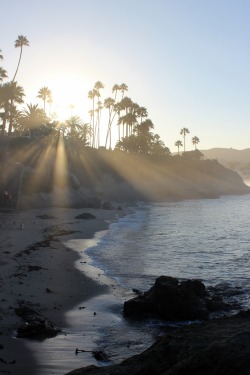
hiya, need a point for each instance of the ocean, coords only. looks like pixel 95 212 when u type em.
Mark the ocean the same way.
pixel 208 239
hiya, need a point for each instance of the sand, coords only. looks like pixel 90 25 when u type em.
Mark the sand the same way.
pixel 37 256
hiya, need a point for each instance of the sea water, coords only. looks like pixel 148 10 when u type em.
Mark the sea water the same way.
pixel 207 239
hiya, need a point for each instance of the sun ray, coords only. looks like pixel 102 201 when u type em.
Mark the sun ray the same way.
pixel 60 176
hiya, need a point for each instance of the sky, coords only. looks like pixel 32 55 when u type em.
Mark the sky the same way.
pixel 186 61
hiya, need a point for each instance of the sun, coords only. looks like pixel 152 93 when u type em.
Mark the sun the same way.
pixel 69 96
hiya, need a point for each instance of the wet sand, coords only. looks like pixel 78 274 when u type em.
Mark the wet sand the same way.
pixel 40 265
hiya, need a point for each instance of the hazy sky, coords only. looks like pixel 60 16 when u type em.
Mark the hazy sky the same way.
pixel 186 61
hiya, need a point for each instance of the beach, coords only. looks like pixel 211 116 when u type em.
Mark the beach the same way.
pixel 38 269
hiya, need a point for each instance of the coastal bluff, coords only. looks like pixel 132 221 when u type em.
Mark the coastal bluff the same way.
pixel 119 177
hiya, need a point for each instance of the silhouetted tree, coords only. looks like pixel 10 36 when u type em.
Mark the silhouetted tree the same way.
pixel 19 43
pixel 10 94
pixel 184 132
pixel 3 74
pixel 178 144
pixel 32 120
pixel 45 95
pixel 195 141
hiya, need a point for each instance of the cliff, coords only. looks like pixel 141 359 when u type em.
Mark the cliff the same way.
pixel 73 178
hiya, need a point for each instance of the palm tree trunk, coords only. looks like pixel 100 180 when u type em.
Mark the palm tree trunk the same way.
pixel 93 123
pixel 11 118
pixel 18 64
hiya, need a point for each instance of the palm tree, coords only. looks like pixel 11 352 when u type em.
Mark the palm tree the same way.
pixel 184 132
pixel 143 141
pixel 158 146
pixel 123 88
pixel 141 112
pixel 178 144
pixel 130 121
pixel 98 121
pixel 45 95
pixel 3 74
pixel 91 114
pixel 92 94
pixel 16 118
pixel 115 89
pixel 98 85
pixel 146 126
pixel 74 128
pixel 109 103
pixel 32 118
pixel 19 43
pixel 10 93
pixel 126 104
pixel 84 134
pixel 195 141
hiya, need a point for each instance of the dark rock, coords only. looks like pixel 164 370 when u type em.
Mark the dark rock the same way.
pixel 107 205
pixel 215 347
pixel 85 216
pixel 94 202
pixel 37 329
pixel 137 291
pixel 99 355
pixel 46 217
pixel 34 268
pixel 37 326
pixel 173 300
pixel 216 303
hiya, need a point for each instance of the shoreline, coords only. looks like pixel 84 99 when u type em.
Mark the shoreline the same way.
pixel 31 265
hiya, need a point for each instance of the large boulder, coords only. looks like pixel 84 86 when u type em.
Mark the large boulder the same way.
pixel 174 300
pixel 85 216
pixel 36 326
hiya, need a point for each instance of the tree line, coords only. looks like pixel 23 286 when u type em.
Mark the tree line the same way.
pixel 134 128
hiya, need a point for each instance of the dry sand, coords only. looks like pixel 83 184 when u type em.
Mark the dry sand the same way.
pixel 34 259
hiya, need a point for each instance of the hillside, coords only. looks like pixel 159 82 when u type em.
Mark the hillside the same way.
pixel 37 176
pixel 237 160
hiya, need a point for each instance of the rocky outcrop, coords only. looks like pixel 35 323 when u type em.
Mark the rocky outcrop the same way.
pixel 36 326
pixel 107 205
pixel 174 300
pixel 85 216
pixel 216 347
